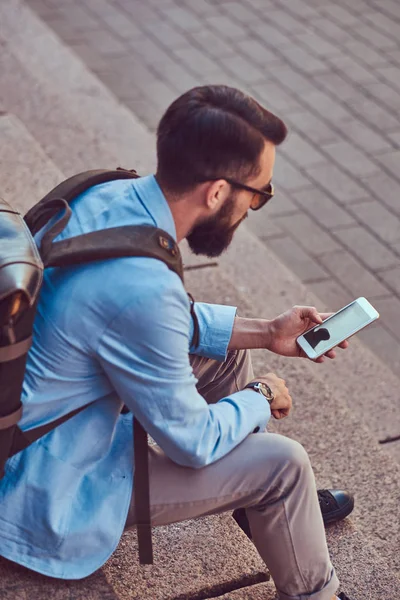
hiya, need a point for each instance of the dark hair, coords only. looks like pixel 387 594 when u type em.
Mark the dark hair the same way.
pixel 213 131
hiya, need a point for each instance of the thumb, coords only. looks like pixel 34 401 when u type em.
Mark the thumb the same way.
pixel 310 312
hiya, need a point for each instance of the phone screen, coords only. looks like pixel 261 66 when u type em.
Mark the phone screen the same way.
pixel 337 328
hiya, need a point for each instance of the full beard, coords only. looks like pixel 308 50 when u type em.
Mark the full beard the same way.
pixel 214 236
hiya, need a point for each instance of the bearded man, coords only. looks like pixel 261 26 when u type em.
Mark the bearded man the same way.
pixel 120 332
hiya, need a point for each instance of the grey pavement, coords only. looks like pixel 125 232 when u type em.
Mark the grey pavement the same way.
pixel 57 119
pixel 330 69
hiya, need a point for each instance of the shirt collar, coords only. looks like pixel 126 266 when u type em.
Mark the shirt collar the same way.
pixel 155 203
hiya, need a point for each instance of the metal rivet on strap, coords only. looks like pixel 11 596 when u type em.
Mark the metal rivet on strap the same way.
pixel 168 245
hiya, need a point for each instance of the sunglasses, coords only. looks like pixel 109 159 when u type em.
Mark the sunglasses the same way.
pixel 260 197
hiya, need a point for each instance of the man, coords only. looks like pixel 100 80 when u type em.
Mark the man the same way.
pixel 119 332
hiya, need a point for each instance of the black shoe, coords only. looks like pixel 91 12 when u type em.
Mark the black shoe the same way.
pixel 335 505
pixel 342 596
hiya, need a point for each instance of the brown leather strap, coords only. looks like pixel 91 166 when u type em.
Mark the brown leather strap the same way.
pixel 142 494
pixel 8 353
pixel 12 419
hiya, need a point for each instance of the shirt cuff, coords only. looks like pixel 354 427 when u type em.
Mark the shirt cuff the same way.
pixel 215 326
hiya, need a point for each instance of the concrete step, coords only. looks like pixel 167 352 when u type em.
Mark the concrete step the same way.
pixel 77 120
pixel 26 172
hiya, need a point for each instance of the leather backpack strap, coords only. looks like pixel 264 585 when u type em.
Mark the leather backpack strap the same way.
pixel 142 493
pixel 67 190
pixel 116 242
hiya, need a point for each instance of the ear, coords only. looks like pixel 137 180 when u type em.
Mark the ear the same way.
pixel 216 194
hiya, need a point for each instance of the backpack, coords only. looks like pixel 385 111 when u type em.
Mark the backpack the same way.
pixel 22 264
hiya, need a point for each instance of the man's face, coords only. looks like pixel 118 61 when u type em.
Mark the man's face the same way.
pixel 214 235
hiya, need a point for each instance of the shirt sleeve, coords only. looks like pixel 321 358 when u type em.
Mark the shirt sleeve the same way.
pixel 215 329
pixel 144 353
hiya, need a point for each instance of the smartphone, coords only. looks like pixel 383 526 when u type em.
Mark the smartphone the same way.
pixel 337 328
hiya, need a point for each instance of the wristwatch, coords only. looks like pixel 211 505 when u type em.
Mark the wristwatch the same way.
pixel 263 389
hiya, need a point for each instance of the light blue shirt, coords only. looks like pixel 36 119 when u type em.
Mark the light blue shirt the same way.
pixel 114 332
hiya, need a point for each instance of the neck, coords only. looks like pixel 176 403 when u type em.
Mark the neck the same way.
pixel 183 212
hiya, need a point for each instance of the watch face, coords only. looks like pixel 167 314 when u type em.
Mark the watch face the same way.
pixel 266 391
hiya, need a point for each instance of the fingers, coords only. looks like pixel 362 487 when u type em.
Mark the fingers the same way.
pixel 310 312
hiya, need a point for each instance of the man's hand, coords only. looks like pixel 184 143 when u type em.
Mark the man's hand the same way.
pixel 285 329
pixel 282 402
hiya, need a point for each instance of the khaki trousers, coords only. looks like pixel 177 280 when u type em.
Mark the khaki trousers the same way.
pixel 267 474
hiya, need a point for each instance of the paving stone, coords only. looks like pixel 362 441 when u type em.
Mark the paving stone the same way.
pixel 338 86
pixel 196 60
pixel 341 15
pixel 392 278
pixel 268 33
pixel 364 136
pixel 285 21
pixel 323 104
pixel 384 23
pixel 351 159
pixel 379 219
pixel 178 76
pixel 227 27
pixel 272 95
pixel 308 234
pixel 289 177
pixel 105 43
pixel 296 258
pixel 213 44
pixel 331 293
pixel 123 86
pixel 105 10
pixel 303 60
pixel 264 225
pixel 281 204
pixel 119 22
pixel 150 51
pixel 166 33
pixel 318 45
pixel 395 137
pixel 299 8
pixel 389 310
pixel 391 162
pixel 352 69
pixel 367 248
pixel 140 11
pixel 366 53
pixel 182 17
pixel 201 7
pixel 391 74
pixel 300 151
pixel 240 12
pixel 312 126
pixel 256 51
pixel 385 188
pixel 375 38
pixel 384 93
pixel 323 209
pixel 294 80
pixel 244 69
pixel 329 29
pixel 358 280
pixel 336 182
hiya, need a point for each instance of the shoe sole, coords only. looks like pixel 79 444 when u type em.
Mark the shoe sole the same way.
pixel 339 514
